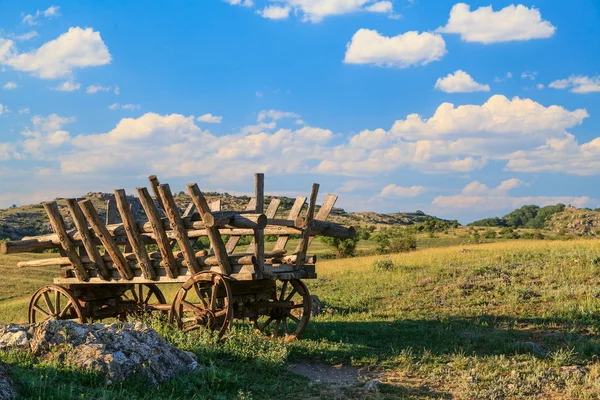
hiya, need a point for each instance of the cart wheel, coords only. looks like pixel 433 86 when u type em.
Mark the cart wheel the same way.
pixel 290 314
pixel 204 301
pixel 146 296
pixel 54 302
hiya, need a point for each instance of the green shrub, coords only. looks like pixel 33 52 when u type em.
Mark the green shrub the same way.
pixel 343 248
pixel 403 244
pixel 383 265
pixel 490 234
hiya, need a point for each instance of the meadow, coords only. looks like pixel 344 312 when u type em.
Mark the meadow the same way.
pixel 510 319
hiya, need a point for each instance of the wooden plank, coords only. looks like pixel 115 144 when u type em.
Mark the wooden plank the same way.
pixel 323 213
pixel 271 212
pixel 86 238
pixel 58 226
pixel 160 235
pixel 234 239
pixel 133 234
pixel 104 235
pixel 259 234
pixel 213 232
pixel 178 227
pixel 294 213
pixel 154 184
pixel 304 237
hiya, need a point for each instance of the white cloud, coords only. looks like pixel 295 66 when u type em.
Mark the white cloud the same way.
pixel 316 10
pixel 26 36
pixel 77 48
pixel 402 51
pixel 275 115
pixel 10 85
pixel 243 3
pixel 209 118
pixel 395 191
pixel 24 110
pixel 506 77
pixel 484 25
pixel 92 89
pixel 68 86
pixel 32 19
pixel 478 197
pixel 539 86
pixel 259 94
pixel 385 7
pixel 529 75
pixel 117 90
pixel 129 107
pixel 578 84
pixel 3 109
pixel 47 135
pixel 460 82
pixel 275 12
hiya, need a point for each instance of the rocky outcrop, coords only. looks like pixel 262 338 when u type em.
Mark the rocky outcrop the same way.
pixel 7 390
pixel 116 351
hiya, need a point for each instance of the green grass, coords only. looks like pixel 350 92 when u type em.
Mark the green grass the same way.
pixel 510 319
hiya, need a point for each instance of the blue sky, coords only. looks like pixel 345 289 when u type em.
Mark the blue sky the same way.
pixel 462 110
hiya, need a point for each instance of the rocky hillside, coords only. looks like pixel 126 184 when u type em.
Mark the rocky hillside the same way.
pixel 31 220
pixel 575 221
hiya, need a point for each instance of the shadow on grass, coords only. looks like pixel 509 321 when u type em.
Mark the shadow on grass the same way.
pixel 380 341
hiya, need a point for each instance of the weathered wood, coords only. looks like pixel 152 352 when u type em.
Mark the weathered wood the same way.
pixel 294 213
pixel 111 212
pixel 178 227
pixel 324 212
pixel 259 233
pixel 291 259
pixel 325 228
pixel 234 239
pixel 271 212
pixel 58 226
pixel 213 233
pixel 160 235
pixel 154 184
pixel 104 235
pixel 133 234
pixel 23 246
pixel 86 238
pixel 304 237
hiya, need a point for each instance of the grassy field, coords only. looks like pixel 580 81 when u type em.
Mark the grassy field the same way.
pixel 513 319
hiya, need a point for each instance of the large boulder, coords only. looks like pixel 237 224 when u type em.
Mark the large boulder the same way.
pixel 7 390
pixel 116 351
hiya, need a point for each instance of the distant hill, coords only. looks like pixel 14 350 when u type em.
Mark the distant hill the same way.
pixel 529 216
pixel 575 221
pixel 31 220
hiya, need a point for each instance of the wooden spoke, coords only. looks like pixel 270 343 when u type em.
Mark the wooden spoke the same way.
pixel 281 314
pixel 212 310
pixel 50 296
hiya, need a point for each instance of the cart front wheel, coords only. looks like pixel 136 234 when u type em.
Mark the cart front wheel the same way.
pixel 54 302
pixel 288 312
pixel 147 296
pixel 204 301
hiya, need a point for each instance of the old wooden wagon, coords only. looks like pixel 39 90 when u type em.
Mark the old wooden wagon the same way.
pixel 112 270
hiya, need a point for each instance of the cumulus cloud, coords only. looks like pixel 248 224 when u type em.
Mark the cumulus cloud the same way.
pixel 77 48
pixel 46 135
pixel 316 10
pixel 68 86
pixel 243 3
pixel 460 82
pixel 395 191
pixel 26 36
pixel 275 115
pixel 93 89
pixel 129 107
pixel 275 12
pixel 578 84
pixel 478 197
pixel 10 85
pixel 484 25
pixel 209 118
pixel 402 51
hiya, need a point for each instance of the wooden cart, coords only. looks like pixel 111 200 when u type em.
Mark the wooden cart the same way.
pixel 112 270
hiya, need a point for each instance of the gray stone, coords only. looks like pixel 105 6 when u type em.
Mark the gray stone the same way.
pixel 7 390
pixel 372 385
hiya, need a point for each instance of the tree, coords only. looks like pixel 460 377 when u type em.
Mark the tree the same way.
pixel 344 248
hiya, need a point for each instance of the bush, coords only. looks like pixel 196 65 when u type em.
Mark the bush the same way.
pixel 490 234
pixel 383 265
pixel 344 248
pixel 403 244
pixel 395 240
pixel 509 233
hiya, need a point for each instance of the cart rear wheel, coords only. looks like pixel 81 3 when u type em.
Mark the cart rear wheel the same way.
pixel 289 311
pixel 204 301
pixel 54 302
pixel 146 296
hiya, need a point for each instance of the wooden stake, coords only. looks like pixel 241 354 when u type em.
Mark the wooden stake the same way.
pixel 271 212
pixel 259 234
pixel 162 240
pixel 133 234
pixel 104 235
pixel 304 237
pixel 294 213
pixel 179 231
pixel 87 240
pixel 213 232
pixel 58 225
pixel 154 184
pixel 322 215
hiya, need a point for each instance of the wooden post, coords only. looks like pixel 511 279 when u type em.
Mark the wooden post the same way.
pixel 181 236
pixel 323 213
pixel 58 225
pixel 259 234
pixel 104 235
pixel 271 212
pixel 294 213
pixel 234 239
pixel 160 234
pixel 304 237
pixel 154 184
pixel 133 234
pixel 111 212
pixel 213 232
pixel 87 240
